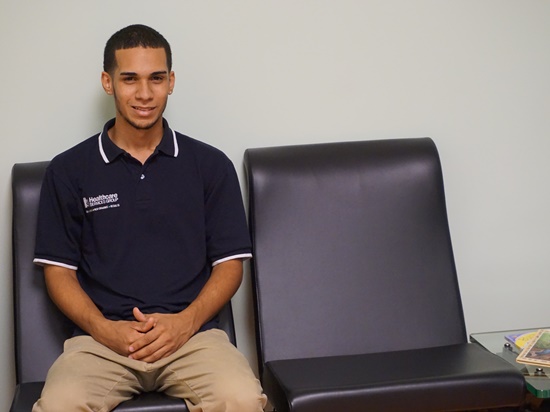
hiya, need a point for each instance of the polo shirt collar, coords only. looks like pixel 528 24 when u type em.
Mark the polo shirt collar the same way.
pixel 110 151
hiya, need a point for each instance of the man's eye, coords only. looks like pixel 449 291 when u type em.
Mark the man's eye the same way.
pixel 128 79
pixel 157 79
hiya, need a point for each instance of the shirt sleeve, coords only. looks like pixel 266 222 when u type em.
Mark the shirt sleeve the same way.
pixel 227 233
pixel 59 224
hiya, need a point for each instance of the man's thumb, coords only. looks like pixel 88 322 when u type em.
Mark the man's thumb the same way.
pixel 140 317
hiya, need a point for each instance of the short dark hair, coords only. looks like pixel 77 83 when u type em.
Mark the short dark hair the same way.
pixel 136 35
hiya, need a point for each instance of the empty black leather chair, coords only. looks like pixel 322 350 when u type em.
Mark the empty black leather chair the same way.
pixel 356 294
pixel 40 328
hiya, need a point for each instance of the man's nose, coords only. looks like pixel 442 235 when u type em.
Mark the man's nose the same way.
pixel 144 91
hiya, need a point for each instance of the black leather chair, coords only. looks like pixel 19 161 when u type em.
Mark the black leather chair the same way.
pixel 357 301
pixel 40 328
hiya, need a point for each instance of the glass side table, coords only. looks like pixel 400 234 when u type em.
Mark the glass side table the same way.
pixel 536 378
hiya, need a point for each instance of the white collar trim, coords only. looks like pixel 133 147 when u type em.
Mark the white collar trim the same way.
pixel 106 159
pixel 176 147
pixel 103 155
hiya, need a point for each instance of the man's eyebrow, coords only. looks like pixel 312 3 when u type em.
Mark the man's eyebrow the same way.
pixel 165 72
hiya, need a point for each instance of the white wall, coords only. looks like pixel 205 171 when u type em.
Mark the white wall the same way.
pixel 472 74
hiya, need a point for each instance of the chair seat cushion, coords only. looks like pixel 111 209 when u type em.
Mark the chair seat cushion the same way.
pixel 27 394
pixel 448 378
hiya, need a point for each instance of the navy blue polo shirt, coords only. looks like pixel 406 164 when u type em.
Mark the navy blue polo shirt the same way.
pixel 144 235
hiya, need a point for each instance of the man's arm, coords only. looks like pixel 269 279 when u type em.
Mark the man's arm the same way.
pixel 171 331
pixel 66 292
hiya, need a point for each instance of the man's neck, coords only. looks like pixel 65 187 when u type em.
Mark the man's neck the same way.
pixel 140 143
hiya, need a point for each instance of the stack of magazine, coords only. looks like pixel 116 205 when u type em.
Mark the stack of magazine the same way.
pixel 535 347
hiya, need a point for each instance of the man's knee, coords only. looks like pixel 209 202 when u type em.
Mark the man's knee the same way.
pixel 66 397
pixel 242 397
pixel 246 402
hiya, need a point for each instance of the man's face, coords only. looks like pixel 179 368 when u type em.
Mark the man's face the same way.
pixel 140 84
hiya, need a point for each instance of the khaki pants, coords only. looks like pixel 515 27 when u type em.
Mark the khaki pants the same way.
pixel 208 372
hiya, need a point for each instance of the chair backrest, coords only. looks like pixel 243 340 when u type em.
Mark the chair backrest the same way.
pixel 40 328
pixel 352 250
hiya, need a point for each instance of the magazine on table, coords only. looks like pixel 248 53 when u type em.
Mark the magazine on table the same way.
pixel 537 350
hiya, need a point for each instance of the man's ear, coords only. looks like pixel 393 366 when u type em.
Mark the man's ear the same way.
pixel 172 81
pixel 107 82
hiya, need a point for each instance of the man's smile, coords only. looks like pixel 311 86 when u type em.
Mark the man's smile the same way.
pixel 143 110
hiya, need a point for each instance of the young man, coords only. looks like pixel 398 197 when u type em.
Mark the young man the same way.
pixel 142 235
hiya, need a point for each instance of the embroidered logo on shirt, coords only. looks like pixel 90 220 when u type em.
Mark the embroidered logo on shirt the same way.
pixel 101 202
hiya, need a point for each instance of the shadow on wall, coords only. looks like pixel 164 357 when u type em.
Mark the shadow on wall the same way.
pixel 105 109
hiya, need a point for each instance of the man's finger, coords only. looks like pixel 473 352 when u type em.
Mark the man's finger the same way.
pixel 144 340
pixel 140 317
pixel 151 353
pixel 141 348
